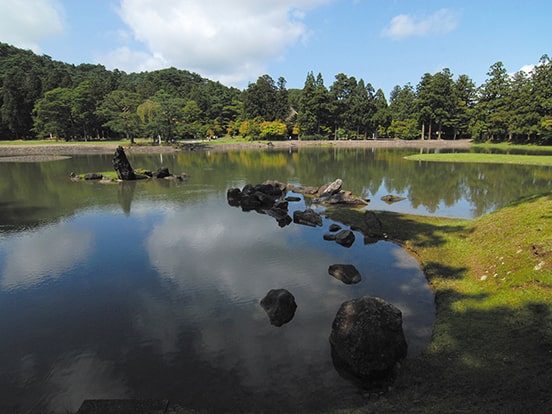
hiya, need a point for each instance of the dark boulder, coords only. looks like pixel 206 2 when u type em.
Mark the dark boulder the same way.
pixel 93 176
pixel 162 172
pixel 234 196
pixel 279 305
pixel 329 236
pixel 308 217
pixel 280 215
pixel 334 227
pixel 345 238
pixel 122 165
pixel 367 337
pixel 347 273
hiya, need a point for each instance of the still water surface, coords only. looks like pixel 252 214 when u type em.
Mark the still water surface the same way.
pixel 152 289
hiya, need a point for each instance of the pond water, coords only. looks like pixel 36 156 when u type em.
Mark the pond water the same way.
pixel 151 290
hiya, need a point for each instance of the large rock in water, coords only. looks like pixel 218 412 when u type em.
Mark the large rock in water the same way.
pixel 279 304
pixel 367 338
pixel 122 165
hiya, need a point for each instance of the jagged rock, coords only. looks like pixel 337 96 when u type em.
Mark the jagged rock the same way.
pixel 334 227
pixel 345 238
pixel 280 306
pixel 280 215
pixel 367 337
pixel 122 165
pixel 330 189
pixel 390 199
pixel 308 217
pixel 347 273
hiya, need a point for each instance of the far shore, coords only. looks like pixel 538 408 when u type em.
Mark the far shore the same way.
pixel 49 148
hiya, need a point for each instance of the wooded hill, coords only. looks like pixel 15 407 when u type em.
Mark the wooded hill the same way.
pixel 41 98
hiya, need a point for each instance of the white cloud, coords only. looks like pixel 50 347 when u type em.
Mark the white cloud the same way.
pixel 33 257
pixel 441 22
pixel 26 23
pixel 527 69
pixel 223 40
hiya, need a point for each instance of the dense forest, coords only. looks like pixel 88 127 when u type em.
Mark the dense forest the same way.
pixel 43 98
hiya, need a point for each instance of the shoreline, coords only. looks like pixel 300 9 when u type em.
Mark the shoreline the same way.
pixel 7 150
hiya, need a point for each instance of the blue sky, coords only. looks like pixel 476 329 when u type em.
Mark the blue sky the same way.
pixel 384 42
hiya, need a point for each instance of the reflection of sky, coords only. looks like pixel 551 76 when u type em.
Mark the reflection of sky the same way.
pixel 166 305
pixel 81 376
pixel 45 253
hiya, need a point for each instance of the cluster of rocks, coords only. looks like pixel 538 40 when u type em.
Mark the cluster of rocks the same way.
pixel 367 339
pixel 266 198
pixel 330 194
pixel 125 172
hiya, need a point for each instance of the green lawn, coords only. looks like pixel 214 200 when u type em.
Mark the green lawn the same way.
pixel 491 350
pixel 485 158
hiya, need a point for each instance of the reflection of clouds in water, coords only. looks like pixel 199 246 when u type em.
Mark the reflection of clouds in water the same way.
pixel 224 263
pixel 158 323
pixel 202 246
pixel 217 264
pixel 78 377
pixel 47 252
pixel 416 301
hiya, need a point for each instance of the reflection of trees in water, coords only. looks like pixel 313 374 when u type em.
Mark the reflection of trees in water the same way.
pixel 33 193
pixel 366 171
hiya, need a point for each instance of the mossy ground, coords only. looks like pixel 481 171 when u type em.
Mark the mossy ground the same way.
pixel 491 350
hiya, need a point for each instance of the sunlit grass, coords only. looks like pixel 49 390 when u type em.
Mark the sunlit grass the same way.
pixel 492 279
pixel 506 146
pixel 484 158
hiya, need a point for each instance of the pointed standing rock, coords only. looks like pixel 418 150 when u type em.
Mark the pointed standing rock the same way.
pixel 122 165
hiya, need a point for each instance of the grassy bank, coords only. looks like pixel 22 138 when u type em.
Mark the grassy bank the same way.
pixel 485 158
pixel 491 350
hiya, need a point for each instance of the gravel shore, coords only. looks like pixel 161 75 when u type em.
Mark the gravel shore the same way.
pixel 43 152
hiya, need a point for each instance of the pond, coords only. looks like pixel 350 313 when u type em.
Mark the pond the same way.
pixel 151 290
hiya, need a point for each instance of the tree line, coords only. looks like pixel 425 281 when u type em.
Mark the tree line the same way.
pixel 41 98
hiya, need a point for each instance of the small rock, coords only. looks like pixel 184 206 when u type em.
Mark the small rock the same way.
pixel 334 227
pixel 280 306
pixel 347 273
pixel 345 238
pixel 390 199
